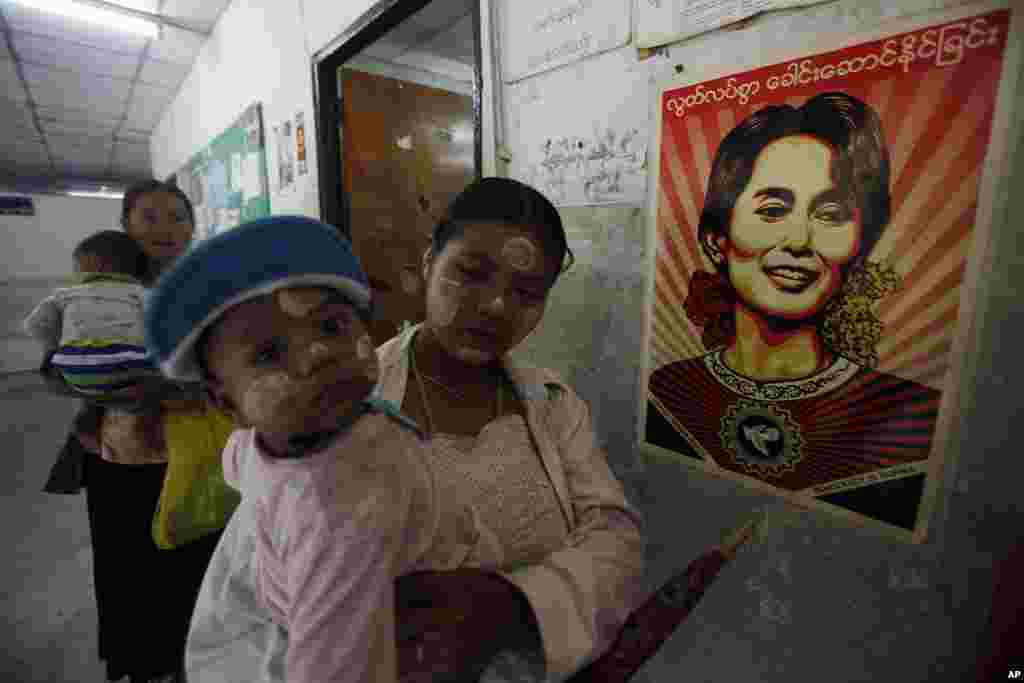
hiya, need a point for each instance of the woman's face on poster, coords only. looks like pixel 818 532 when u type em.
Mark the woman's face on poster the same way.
pixel 791 231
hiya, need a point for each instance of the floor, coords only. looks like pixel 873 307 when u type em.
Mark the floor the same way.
pixel 47 600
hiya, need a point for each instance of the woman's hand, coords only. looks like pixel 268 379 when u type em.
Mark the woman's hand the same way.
pixel 452 624
pixel 134 439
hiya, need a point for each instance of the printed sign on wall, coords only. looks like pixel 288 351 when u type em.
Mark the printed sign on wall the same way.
pixel 300 144
pixel 285 156
pixel 17 205
pixel 538 35
pixel 584 149
pixel 813 221
pixel 660 22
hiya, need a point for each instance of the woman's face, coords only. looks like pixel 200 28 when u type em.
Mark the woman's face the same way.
pixel 487 289
pixel 791 232
pixel 159 223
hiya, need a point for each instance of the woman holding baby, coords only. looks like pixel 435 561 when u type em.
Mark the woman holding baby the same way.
pixel 519 442
pixel 144 595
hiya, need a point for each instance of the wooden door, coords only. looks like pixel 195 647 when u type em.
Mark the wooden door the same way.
pixel 407 150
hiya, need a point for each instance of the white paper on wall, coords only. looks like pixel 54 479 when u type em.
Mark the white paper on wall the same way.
pixel 540 35
pixel 251 182
pixel 285 156
pixel 202 221
pixel 300 144
pixel 235 182
pixel 659 22
pixel 580 144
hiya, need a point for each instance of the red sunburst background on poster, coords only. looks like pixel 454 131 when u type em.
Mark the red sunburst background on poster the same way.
pixel 937 122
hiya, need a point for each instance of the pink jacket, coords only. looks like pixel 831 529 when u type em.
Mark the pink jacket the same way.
pixel 583 593
pixel 301 586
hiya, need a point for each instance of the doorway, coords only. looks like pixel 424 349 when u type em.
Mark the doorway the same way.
pixel 399 111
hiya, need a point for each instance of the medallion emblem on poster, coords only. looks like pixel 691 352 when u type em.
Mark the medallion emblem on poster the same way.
pixel 763 439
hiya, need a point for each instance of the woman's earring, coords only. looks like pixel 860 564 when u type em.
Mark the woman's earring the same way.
pixel 712 250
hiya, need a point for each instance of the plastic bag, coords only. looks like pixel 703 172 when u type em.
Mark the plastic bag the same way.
pixel 195 501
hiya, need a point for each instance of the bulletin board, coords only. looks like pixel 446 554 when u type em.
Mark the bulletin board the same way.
pixel 820 226
pixel 227 180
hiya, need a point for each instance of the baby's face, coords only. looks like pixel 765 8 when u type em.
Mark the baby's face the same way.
pixel 292 362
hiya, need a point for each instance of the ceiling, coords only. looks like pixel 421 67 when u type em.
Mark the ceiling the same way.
pixel 79 101
pixel 444 28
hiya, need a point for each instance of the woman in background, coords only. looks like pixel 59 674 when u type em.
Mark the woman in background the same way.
pixel 144 595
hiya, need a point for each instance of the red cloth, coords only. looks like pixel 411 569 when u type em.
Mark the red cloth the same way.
pixel 1005 648
pixel 654 622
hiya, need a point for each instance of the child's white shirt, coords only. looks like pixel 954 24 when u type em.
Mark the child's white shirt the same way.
pixel 102 310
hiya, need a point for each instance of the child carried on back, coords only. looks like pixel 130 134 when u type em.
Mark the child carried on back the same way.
pixel 337 496
pixel 92 332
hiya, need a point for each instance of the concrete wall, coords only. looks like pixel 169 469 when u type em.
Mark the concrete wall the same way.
pixel 41 245
pixel 35 257
pixel 259 51
pixel 816 600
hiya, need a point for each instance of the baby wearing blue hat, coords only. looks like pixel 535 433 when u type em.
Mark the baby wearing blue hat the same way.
pixel 337 496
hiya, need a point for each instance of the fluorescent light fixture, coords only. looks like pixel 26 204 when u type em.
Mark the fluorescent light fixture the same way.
pixel 102 193
pixel 95 14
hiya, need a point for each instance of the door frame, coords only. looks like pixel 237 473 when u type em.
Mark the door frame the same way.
pixel 370 27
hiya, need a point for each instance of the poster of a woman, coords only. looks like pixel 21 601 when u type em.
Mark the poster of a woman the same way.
pixel 813 223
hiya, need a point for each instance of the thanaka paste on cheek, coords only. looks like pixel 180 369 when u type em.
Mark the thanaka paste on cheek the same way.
pixel 520 253
pixel 318 349
pixel 448 306
pixel 498 305
pixel 451 286
pixel 447 310
pixel 266 399
pixel 300 302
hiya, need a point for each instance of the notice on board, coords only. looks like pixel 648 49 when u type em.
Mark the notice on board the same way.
pixel 540 35
pixel 659 22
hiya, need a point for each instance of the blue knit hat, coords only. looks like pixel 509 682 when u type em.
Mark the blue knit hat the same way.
pixel 252 260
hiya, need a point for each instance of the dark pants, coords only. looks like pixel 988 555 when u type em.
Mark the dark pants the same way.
pixel 144 595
